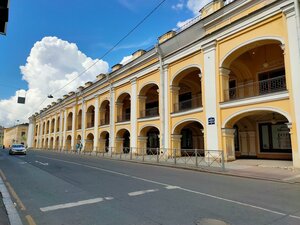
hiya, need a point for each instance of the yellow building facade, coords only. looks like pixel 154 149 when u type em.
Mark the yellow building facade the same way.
pixel 226 81
pixel 17 134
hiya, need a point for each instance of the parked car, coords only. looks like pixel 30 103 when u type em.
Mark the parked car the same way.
pixel 17 149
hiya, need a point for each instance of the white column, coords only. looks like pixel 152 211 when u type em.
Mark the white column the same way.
pixel 65 129
pixel 30 132
pixel 112 118
pixel 294 54
pixel 73 127
pixel 55 127
pixel 60 129
pixel 40 133
pixel 212 141
pixel 166 109
pixel 96 119
pixel 133 114
pixel 83 123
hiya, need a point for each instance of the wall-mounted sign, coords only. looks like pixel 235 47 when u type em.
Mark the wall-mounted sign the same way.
pixel 211 121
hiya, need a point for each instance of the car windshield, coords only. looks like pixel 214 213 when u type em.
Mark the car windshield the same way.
pixel 18 146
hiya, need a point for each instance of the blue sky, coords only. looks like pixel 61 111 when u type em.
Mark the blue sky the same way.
pixel 93 25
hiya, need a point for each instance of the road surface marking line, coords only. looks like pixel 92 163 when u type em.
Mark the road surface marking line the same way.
pixel 14 194
pixel 291 178
pixel 136 193
pixel 233 201
pixel 71 204
pixel 2 175
pixel 108 198
pixel 295 217
pixel 30 220
pixel 172 187
pixel 44 164
pixel 184 189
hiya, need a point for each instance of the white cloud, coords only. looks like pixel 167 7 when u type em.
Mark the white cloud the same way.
pixel 178 6
pixel 126 59
pixel 196 5
pixel 182 23
pixel 52 63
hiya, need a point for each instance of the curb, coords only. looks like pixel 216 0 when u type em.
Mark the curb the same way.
pixel 203 170
pixel 12 213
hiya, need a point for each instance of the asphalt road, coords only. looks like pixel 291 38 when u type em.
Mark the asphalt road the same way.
pixel 55 188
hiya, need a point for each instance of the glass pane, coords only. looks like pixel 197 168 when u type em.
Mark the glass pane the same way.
pixel 281 137
pixel 265 137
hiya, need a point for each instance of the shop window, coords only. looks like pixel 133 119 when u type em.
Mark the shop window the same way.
pixel 275 138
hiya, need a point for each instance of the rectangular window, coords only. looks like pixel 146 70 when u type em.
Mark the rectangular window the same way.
pixel 275 138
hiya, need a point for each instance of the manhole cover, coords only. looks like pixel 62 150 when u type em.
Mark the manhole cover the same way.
pixel 206 221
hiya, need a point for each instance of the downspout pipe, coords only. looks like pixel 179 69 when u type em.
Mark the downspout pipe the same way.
pixel 297 11
pixel 161 93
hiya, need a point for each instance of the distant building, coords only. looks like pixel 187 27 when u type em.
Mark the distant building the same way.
pixel 1 136
pixel 3 16
pixel 16 135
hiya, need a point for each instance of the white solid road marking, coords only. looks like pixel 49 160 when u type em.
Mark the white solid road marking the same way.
pixel 44 164
pixel 183 189
pixel 108 198
pixel 136 193
pixel 71 204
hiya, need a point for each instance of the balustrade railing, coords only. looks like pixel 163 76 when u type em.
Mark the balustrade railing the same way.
pixel 189 104
pixel 150 112
pixel 104 121
pixel 90 124
pixel 258 88
pixel 123 118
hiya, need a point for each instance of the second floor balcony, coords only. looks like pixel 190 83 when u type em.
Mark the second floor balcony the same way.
pixel 258 88
pixel 188 104
pixel 149 112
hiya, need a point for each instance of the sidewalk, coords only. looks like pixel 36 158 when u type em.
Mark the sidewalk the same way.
pixel 275 170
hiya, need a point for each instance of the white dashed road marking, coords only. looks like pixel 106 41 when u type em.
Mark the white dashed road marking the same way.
pixel 172 187
pixel 44 164
pixel 136 193
pixel 71 204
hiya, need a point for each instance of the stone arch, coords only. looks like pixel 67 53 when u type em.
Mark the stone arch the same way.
pixel 90 116
pixel 186 89
pixel 69 120
pixel 261 132
pixel 123 107
pixel 257 41
pixel 123 141
pixel 104 112
pixel 68 143
pixel 146 84
pixel 186 68
pixel 188 137
pixel 104 141
pixel 236 116
pixel 79 119
pixel 149 100
pixel 89 142
pixel 149 140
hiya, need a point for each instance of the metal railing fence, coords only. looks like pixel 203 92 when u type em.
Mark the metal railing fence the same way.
pixel 195 158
